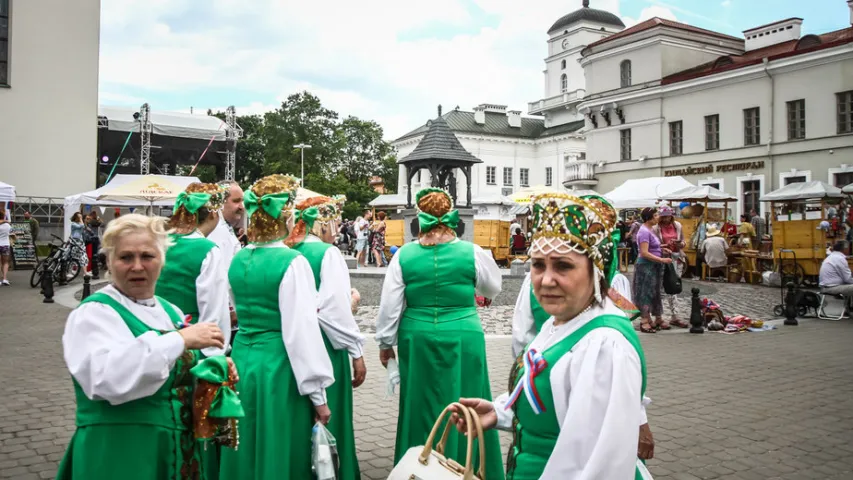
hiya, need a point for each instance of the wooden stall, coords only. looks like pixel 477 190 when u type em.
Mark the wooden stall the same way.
pixel 493 235
pixel 394 233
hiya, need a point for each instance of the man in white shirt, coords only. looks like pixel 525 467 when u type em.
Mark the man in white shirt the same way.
pixel 835 276
pixel 230 218
pixel 715 248
pixel 362 231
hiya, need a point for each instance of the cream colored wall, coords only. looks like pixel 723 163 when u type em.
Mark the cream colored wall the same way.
pixel 48 116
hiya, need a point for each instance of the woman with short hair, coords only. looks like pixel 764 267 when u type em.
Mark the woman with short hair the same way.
pixel 129 360
pixel 648 274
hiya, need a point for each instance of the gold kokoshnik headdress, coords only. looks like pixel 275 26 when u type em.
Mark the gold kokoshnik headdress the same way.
pixel 565 223
pixel 196 196
pixel 268 204
pixel 328 209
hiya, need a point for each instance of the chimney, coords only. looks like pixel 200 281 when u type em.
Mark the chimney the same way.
pixel 514 117
pixel 850 6
pixel 480 115
pixel 773 33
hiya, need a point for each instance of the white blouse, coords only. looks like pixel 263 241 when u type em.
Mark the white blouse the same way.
pixel 334 303
pixel 393 301
pixel 223 236
pixel 212 295
pixel 595 389
pixel 106 359
pixel 300 329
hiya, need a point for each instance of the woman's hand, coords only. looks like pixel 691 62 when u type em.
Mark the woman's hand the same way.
pixel 232 371
pixel 359 372
pixel 666 251
pixel 385 355
pixel 646 448
pixel 202 335
pixel 322 414
pixel 666 261
pixel 484 409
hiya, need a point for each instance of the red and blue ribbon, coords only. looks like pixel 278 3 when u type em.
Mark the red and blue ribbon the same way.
pixel 185 323
pixel 534 364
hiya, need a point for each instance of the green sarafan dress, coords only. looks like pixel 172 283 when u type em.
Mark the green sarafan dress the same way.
pixel 339 395
pixel 177 282
pixel 440 343
pixel 150 438
pixel 275 434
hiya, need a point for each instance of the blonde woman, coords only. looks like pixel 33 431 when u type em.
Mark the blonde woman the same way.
pixel 285 367
pixel 130 367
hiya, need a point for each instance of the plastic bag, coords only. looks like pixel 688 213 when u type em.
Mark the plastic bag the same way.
pixel 324 453
pixel 393 377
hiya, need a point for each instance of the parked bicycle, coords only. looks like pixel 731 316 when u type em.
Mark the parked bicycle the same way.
pixel 64 263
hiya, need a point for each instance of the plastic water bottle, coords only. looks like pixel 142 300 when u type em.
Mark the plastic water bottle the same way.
pixel 323 451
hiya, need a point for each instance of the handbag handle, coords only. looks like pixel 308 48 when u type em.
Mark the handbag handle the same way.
pixel 478 426
pixel 424 456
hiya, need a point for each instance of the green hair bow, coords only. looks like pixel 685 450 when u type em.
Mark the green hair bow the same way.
pixel 226 403
pixel 192 202
pixel 309 216
pixel 272 203
pixel 427 221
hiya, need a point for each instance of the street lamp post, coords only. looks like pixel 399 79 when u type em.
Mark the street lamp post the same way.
pixel 302 147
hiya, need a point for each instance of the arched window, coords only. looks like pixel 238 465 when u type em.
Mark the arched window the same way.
pixel 625 73
pixel 564 83
pixel 563 64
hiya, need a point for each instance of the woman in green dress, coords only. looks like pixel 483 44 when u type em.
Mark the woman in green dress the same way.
pixel 575 395
pixel 313 234
pixel 130 368
pixel 285 367
pixel 429 313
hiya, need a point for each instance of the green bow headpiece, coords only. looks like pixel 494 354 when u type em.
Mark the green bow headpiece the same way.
pixel 271 203
pixel 192 202
pixel 226 403
pixel 309 216
pixel 427 222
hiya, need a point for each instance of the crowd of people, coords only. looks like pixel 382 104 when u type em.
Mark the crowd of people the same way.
pixel 280 310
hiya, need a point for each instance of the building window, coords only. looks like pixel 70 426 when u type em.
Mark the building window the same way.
pixel 797 120
pixel 549 176
pixel 491 175
pixel 524 177
pixel 564 83
pixel 845 111
pixel 676 138
pixel 4 42
pixel 751 192
pixel 712 185
pixel 507 175
pixel 712 132
pixel 625 144
pixel 751 126
pixel 843 179
pixel 625 73
pixel 797 179
pixel 563 64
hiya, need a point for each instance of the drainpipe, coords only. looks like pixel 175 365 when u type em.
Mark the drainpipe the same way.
pixel 766 63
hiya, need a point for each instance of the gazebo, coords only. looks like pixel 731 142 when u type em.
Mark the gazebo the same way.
pixel 441 153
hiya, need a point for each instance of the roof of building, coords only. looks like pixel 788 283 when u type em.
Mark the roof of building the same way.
pixel 806 44
pixel 772 23
pixel 439 143
pixel 658 22
pixel 589 14
pixel 497 124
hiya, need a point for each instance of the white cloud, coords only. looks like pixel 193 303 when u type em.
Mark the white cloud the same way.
pixel 360 58
pixel 112 98
pixel 650 12
pixel 726 3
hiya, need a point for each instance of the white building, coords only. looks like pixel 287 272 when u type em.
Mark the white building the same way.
pixel 747 115
pixel 49 95
pixel 518 151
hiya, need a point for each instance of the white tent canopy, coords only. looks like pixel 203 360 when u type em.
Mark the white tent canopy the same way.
pixel 388 200
pixel 7 192
pixel 73 202
pixel 701 193
pixel 644 192
pixel 848 189
pixel 814 190
pixel 172 124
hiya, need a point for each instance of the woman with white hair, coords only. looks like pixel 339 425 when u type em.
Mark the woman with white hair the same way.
pixel 129 360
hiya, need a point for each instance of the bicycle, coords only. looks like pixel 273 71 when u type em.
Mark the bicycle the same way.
pixel 60 263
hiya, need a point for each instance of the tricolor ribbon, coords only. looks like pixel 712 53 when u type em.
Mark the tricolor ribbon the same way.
pixel 534 364
pixel 187 321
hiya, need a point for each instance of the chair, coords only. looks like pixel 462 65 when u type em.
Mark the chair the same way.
pixel 829 299
pixel 705 272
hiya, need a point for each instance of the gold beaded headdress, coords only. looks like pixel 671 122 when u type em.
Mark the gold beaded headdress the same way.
pixel 564 223
pixel 268 204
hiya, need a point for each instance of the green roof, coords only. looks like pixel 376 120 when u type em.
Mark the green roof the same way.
pixel 497 124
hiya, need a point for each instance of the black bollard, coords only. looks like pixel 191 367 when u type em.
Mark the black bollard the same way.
pixel 96 268
pixel 791 306
pixel 696 313
pixel 87 288
pixel 47 286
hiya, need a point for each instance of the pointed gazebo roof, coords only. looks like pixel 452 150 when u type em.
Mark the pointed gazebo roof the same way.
pixel 440 144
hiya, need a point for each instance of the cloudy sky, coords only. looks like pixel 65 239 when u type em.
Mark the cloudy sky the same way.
pixel 391 61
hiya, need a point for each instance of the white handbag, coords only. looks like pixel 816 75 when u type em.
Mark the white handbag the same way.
pixel 424 463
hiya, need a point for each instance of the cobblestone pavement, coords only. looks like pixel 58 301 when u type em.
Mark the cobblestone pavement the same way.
pixel 752 406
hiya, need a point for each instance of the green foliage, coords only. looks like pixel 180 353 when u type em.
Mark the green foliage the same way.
pixel 344 154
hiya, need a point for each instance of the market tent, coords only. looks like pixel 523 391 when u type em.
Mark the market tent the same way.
pixel 701 193
pixel 171 124
pixel 814 190
pixel 73 202
pixel 7 192
pixel 525 194
pixel 848 189
pixel 388 200
pixel 305 194
pixel 644 192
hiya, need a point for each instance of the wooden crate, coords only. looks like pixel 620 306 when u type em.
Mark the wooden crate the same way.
pixel 394 232
pixel 803 237
pixel 493 235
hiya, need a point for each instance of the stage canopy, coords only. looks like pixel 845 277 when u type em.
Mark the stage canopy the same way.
pixel 170 124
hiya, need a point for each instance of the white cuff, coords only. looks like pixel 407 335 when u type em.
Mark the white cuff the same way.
pixel 318 398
